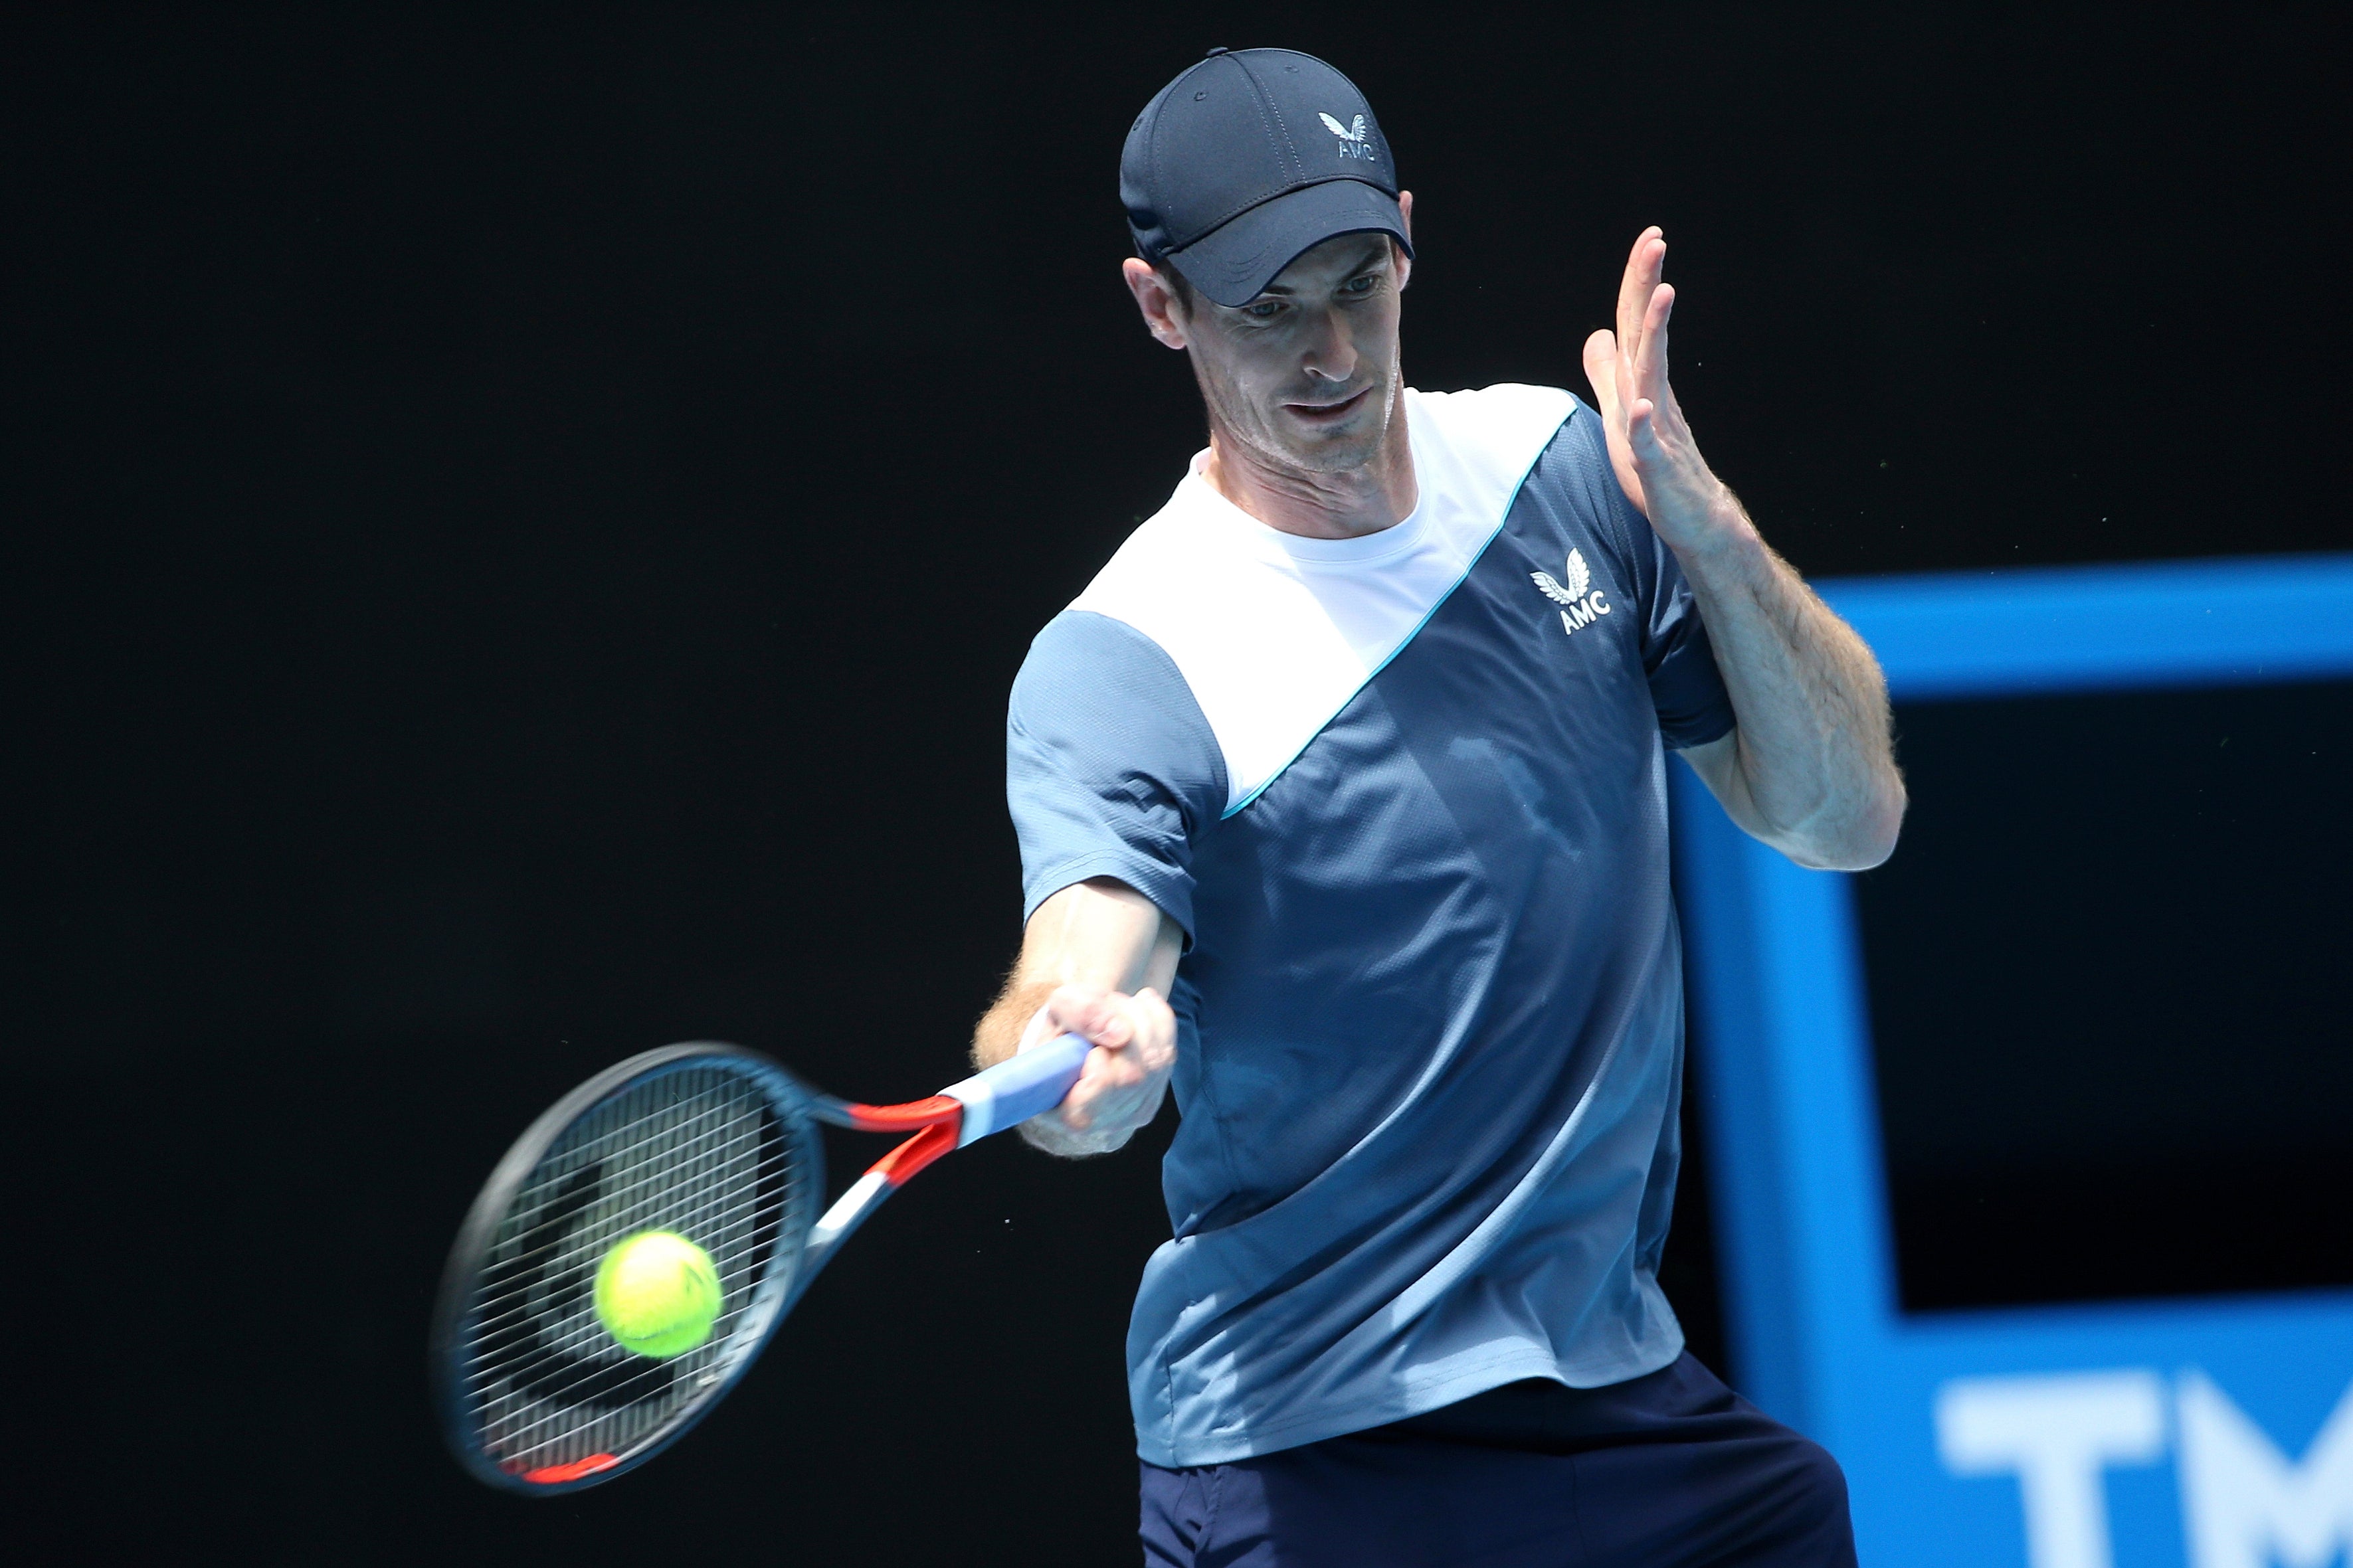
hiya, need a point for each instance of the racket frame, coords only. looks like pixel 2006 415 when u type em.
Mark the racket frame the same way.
pixel 794 1106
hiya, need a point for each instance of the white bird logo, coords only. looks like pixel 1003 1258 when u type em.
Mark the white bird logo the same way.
pixel 1580 578
pixel 1343 131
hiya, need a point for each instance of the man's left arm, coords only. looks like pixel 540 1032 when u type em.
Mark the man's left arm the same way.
pixel 1808 766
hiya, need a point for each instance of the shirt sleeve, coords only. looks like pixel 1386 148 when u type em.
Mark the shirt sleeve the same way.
pixel 1686 688
pixel 1110 770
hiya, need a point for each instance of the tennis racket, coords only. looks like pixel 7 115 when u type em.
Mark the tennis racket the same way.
pixel 709 1142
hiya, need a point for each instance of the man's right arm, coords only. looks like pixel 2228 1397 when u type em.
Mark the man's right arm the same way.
pixel 1097 959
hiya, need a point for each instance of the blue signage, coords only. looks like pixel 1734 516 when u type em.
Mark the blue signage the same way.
pixel 2194 1432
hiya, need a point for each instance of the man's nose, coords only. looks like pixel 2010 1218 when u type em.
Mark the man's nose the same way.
pixel 1331 355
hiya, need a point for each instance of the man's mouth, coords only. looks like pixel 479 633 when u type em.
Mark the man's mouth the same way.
pixel 1328 413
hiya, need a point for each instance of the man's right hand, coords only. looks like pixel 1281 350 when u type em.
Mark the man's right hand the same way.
pixel 1097 960
pixel 1119 1088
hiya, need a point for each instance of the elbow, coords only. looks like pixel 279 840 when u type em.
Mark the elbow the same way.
pixel 1872 833
pixel 1853 840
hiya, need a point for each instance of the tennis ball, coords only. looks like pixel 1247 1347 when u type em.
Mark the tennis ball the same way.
pixel 658 1293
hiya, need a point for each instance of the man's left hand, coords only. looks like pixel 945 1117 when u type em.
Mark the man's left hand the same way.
pixel 1650 446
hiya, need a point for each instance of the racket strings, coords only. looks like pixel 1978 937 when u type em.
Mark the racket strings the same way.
pixel 700 1151
pixel 562 1376
pixel 730 1238
pixel 632 1198
pixel 513 1303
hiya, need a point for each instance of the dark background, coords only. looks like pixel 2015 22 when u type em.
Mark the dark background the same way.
pixel 2106 977
pixel 520 522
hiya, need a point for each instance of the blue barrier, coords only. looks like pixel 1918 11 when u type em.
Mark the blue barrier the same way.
pixel 2205 1432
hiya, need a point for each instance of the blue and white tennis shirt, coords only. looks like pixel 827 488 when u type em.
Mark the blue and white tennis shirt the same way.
pixel 1407 796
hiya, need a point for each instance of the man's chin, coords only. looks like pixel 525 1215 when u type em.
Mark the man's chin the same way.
pixel 1335 447
pixel 1334 454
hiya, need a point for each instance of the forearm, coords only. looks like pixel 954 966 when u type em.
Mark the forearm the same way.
pixel 1811 768
pixel 998 1033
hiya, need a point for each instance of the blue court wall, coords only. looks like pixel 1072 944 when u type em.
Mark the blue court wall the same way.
pixel 2209 1432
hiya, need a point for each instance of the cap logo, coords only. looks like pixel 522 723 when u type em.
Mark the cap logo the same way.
pixel 1352 142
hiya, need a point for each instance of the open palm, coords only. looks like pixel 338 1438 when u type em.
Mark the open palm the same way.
pixel 1650 446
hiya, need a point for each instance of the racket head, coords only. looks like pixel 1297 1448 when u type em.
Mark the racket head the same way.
pixel 711 1141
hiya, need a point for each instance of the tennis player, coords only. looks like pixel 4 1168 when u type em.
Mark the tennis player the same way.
pixel 1341 794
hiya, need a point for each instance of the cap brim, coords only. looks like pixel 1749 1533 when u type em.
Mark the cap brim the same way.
pixel 1233 263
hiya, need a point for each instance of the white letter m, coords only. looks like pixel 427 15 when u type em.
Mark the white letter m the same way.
pixel 2243 1504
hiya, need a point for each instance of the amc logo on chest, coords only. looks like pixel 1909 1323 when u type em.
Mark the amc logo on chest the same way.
pixel 1581 603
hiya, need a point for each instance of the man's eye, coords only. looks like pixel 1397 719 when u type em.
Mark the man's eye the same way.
pixel 1361 285
pixel 1263 311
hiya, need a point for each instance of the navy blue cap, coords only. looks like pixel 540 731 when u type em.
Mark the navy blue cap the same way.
pixel 1250 158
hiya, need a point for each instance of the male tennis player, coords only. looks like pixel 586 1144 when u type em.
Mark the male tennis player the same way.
pixel 1341 800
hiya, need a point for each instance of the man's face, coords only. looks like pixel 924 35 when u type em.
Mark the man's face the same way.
pixel 1306 374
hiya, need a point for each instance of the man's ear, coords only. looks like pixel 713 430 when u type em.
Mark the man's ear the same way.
pixel 1164 313
pixel 1405 262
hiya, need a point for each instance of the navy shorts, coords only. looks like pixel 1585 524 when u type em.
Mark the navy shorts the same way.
pixel 1671 1470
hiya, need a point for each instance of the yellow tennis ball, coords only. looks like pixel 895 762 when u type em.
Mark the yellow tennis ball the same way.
pixel 658 1293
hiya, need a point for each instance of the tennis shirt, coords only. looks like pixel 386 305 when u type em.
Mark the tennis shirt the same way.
pixel 1406 794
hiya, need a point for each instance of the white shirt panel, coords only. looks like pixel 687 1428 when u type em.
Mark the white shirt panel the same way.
pixel 1275 633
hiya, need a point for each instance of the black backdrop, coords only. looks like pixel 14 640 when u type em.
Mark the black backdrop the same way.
pixel 520 523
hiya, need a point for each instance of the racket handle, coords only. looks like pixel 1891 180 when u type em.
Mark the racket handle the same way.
pixel 1018 1088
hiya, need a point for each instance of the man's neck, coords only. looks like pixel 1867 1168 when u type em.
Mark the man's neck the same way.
pixel 1350 504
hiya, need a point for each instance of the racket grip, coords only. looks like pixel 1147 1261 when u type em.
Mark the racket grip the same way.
pixel 1018 1088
